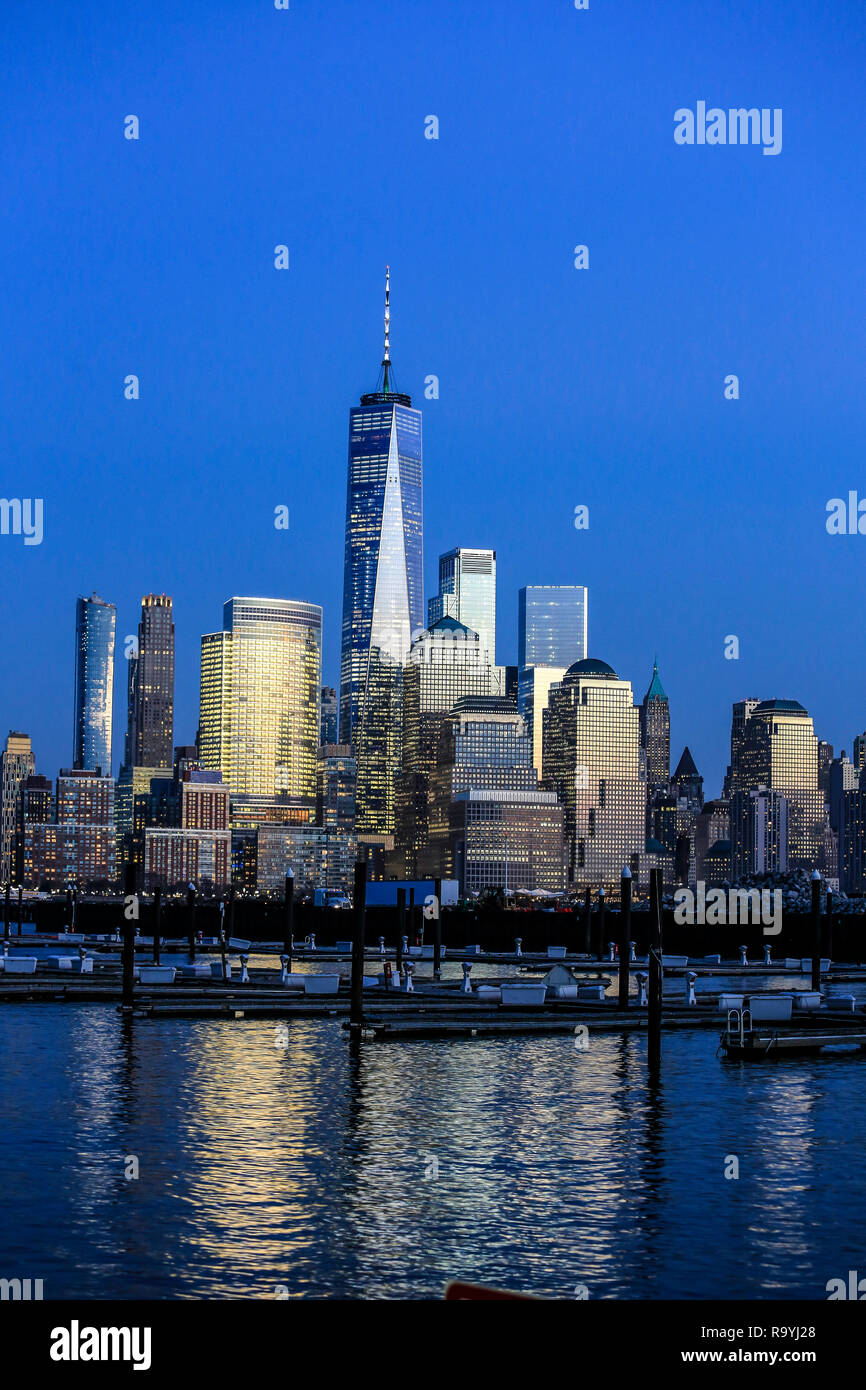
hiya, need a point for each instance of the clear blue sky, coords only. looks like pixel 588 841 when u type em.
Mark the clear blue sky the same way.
pixel 558 386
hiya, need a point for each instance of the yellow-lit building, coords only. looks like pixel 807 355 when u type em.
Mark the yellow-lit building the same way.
pixel 779 750
pixel 260 693
pixel 592 760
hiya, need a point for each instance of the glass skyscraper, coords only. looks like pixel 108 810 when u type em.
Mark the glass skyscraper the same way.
pixel 778 749
pixel 467 592
pixel 551 624
pixel 95 622
pixel 592 758
pixel 260 686
pixel 382 585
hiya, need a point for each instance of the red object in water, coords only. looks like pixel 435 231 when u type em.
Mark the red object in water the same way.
pixel 457 1291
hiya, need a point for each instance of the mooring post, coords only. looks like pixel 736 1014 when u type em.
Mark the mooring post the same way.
pixel 624 936
pixel 599 953
pixel 654 1003
pixel 222 941
pixel 20 909
pixel 128 948
pixel 401 928
pixel 6 912
pixel 356 1010
pixel 67 924
pixel 816 929
pixel 587 922
pixel 157 922
pixel 190 921
pixel 437 930
pixel 289 923
pixel 828 930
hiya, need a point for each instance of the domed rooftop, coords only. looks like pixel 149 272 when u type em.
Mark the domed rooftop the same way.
pixel 783 707
pixel 592 667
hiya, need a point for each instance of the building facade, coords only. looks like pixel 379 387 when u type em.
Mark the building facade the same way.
pixel 259 702
pixel 779 751
pixel 552 623
pixel 490 824
pixel 150 734
pixel 592 757
pixel 467 592
pixel 95 623
pixel 330 722
pixel 759 832
pixel 382 585
pixel 336 774
pixel 17 763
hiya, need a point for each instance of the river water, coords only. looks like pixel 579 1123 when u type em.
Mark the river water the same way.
pixel 270 1163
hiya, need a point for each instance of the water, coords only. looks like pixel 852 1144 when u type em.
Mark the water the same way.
pixel 520 1162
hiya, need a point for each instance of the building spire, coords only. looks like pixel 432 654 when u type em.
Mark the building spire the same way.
pixel 386 360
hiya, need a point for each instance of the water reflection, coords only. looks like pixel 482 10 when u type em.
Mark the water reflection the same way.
pixel 517 1161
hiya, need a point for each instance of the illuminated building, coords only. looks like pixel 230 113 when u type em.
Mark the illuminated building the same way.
pixel 446 661
pixel 150 733
pixel 335 787
pixel 779 750
pixel 489 824
pixel 76 846
pixel 318 857
pixel 551 624
pixel 16 763
pixel 260 684
pixel 467 592
pixel 655 734
pixel 382 585
pixel 759 832
pixel 94 684
pixel 592 758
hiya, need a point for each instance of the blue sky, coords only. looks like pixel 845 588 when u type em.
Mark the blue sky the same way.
pixel 557 387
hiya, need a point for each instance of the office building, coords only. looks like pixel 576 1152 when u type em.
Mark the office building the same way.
pixel 318 856
pixel 150 695
pixel 467 592
pixel 17 763
pixel 382 584
pixel 95 622
pixel 76 846
pixel 779 751
pixel 592 760
pixel 759 832
pixel 260 688
pixel 655 735
pixel 490 824
pixel 335 787
pixel 330 723
pixel 446 661
pixel 551 624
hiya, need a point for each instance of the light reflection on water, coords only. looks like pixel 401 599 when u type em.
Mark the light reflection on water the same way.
pixel 262 1166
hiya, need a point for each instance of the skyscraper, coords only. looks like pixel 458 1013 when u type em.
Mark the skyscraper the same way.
pixel 16 763
pixel 330 723
pixel 490 824
pixel 94 684
pixel 779 750
pixel 759 832
pixel 467 592
pixel 150 738
pixel 655 734
pixel 551 624
pixel 592 755
pixel 551 636
pixel 382 584
pixel 446 661
pixel 260 683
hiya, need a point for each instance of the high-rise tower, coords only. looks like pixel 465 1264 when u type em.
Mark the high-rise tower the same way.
pixel 382 584
pixel 655 734
pixel 150 738
pixel 94 683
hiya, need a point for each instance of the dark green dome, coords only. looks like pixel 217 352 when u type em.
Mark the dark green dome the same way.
pixel 591 667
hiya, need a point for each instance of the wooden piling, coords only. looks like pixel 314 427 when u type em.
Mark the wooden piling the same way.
pixel 6 912
pixel 816 930
pixel 624 937
pixel 190 913
pixel 289 918
pixel 587 922
pixel 157 922
pixel 437 931
pixel 401 927
pixel 20 909
pixel 128 948
pixel 654 1000
pixel 356 1011
pixel 601 906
